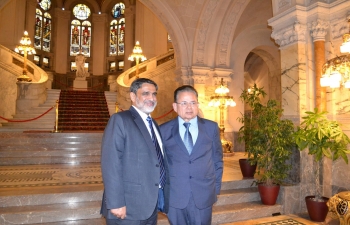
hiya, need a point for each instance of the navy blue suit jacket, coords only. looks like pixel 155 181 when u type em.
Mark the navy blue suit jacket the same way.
pixel 200 172
pixel 130 168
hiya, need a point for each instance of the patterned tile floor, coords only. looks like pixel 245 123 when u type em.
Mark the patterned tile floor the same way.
pixel 60 178
pixel 31 179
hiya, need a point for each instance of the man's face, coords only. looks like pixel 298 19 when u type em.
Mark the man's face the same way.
pixel 145 98
pixel 186 105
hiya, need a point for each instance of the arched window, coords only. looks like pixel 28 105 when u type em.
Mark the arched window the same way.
pixel 42 36
pixel 117 30
pixel 80 40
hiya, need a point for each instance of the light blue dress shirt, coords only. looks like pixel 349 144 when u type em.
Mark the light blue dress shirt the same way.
pixel 193 129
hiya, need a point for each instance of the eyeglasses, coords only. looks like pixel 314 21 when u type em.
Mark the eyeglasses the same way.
pixel 185 104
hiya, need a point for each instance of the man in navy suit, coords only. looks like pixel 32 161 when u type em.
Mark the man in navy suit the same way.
pixel 194 153
pixel 132 162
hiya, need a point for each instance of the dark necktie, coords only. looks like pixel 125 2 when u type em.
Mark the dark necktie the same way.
pixel 188 138
pixel 159 154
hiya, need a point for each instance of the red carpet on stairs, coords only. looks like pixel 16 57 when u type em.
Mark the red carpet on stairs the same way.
pixel 82 111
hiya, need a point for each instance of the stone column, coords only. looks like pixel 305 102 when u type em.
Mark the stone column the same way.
pixel 319 30
pixel 318 33
pixel 292 41
pixel 30 18
pixel 129 35
pixel 61 36
pixel 99 47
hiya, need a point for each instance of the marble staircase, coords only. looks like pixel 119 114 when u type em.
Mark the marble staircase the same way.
pixel 46 122
pixel 55 179
pixel 49 148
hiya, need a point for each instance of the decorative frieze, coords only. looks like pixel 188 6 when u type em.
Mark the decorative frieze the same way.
pixel 339 27
pixel 290 35
pixel 203 30
pixel 227 31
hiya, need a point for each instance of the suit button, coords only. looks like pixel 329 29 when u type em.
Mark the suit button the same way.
pixel 190 177
pixel 157 185
pixel 157 165
pixel 190 162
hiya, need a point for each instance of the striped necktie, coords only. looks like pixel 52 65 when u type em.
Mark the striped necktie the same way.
pixel 188 138
pixel 159 154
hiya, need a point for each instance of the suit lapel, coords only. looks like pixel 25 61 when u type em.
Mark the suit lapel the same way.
pixel 176 134
pixel 141 125
pixel 201 132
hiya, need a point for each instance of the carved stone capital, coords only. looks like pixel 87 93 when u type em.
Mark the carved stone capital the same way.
pixel 225 74
pixel 185 74
pixel 319 29
pixel 290 35
pixel 200 74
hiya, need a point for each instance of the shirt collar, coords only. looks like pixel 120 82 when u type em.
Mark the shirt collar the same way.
pixel 142 114
pixel 192 121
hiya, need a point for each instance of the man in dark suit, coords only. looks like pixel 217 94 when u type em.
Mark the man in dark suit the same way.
pixel 194 153
pixel 133 168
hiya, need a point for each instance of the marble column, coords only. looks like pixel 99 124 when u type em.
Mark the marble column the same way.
pixel 99 47
pixel 30 22
pixel 318 32
pixel 129 35
pixel 61 47
pixel 293 46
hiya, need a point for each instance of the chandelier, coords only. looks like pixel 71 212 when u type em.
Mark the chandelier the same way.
pixel 336 71
pixel 137 56
pixel 222 100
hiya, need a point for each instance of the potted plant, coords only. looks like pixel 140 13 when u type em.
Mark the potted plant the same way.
pixel 274 143
pixel 323 138
pixel 250 97
pixel 270 143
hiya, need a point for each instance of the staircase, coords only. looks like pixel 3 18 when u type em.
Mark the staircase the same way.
pixel 82 111
pixel 47 121
pixel 63 201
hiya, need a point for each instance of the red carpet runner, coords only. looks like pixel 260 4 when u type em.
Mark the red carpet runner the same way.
pixel 82 111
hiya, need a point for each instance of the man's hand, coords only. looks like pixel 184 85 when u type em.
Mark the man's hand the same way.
pixel 120 212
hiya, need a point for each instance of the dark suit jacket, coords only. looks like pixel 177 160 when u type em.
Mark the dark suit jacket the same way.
pixel 130 167
pixel 200 172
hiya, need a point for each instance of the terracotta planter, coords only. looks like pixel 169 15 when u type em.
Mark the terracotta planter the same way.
pixel 268 194
pixel 247 170
pixel 317 209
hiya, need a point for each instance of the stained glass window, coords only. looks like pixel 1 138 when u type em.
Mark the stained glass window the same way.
pixel 117 32
pixel 38 29
pixel 45 4
pixel 81 11
pixel 118 10
pixel 42 35
pixel 46 32
pixel 80 38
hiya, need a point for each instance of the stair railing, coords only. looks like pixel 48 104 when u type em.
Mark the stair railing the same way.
pixel 56 120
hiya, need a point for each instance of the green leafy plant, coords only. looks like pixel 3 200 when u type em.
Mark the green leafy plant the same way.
pixel 323 138
pixel 251 97
pixel 269 139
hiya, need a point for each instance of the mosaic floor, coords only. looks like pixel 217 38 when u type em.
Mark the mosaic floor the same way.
pixel 282 222
pixel 59 178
